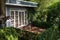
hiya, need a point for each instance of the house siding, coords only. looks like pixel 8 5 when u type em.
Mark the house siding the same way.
pixel 15 8
pixel 12 1
pixel 8 8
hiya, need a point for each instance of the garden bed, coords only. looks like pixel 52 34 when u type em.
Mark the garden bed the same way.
pixel 33 29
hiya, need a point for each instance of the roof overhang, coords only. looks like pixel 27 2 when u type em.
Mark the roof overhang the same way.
pixel 23 3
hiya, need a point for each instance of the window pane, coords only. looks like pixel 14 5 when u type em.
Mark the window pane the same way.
pixel 23 18
pixel 12 18
pixel 19 18
pixel 16 18
pixel 16 12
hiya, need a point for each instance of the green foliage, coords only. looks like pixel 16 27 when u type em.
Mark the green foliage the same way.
pixel 53 16
pixel 41 24
pixel 49 34
pixel 47 13
pixel 8 34
pixel 24 35
pixel 16 34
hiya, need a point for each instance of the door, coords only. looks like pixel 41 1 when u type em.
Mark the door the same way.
pixel 18 18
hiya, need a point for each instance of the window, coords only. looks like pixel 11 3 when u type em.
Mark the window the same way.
pixel 18 18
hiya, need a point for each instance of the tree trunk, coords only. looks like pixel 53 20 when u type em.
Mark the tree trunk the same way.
pixel 2 12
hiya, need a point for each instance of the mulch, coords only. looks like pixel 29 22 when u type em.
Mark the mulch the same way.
pixel 33 29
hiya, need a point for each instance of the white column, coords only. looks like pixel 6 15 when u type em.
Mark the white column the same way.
pixel 18 19
pixel 21 18
pixel 14 20
pixel 24 18
pixel 10 15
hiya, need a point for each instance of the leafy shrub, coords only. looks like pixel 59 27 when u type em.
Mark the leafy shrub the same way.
pixel 2 35
pixel 41 24
pixel 8 34
pixel 24 35
pixel 46 15
pixel 50 34
pixel 16 34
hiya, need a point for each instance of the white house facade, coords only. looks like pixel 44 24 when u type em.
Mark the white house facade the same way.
pixel 16 10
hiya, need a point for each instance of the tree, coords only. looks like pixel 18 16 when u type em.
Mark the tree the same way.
pixel 2 12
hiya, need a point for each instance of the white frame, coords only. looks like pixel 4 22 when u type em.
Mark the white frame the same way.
pixel 18 18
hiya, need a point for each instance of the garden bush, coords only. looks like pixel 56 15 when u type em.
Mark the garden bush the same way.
pixel 50 34
pixel 16 34
pixel 25 35
pixel 44 25
pixel 8 34
pixel 47 13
